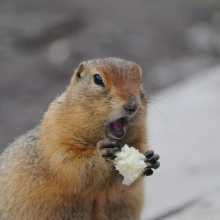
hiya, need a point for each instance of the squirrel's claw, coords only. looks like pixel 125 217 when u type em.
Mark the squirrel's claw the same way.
pixel 154 166
pixel 107 149
pixel 152 162
pixel 153 158
pixel 148 172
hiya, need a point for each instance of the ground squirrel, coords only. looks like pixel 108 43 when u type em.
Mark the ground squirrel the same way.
pixel 63 169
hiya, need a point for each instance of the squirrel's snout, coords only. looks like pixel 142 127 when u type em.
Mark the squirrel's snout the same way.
pixel 131 107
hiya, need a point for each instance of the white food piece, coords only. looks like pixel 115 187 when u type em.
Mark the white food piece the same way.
pixel 130 164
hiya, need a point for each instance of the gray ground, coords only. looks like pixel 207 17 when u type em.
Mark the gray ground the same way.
pixel 186 135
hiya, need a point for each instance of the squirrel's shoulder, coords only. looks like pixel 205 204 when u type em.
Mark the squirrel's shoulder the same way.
pixel 25 144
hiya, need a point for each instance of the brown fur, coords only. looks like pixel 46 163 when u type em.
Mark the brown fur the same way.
pixel 56 171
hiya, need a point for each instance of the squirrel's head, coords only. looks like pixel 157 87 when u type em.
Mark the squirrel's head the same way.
pixel 106 94
pixel 105 99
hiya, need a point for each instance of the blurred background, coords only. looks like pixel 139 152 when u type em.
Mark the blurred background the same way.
pixel 42 42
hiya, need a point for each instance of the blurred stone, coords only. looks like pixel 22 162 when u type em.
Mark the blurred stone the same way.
pixel 204 38
pixel 59 51
pixel 200 37
pixel 216 20
pixel 216 43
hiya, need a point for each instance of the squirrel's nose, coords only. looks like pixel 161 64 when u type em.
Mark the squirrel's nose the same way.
pixel 131 107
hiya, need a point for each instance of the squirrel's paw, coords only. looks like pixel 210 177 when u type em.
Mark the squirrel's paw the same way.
pixel 151 161
pixel 107 149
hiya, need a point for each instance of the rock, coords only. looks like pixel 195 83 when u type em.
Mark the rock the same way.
pixel 216 20
pixel 204 37
pixel 200 37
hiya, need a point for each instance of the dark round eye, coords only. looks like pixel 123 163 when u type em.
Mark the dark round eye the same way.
pixel 98 80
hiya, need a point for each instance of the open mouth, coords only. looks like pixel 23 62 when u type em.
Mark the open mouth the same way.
pixel 117 128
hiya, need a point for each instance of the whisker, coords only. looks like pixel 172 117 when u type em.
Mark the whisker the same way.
pixel 155 108
pixel 150 99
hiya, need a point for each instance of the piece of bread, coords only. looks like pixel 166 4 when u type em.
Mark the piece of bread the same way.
pixel 130 164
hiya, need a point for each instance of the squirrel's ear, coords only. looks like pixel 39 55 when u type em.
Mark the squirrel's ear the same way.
pixel 79 73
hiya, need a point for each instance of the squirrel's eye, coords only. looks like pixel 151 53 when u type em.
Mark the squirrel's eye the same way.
pixel 98 80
